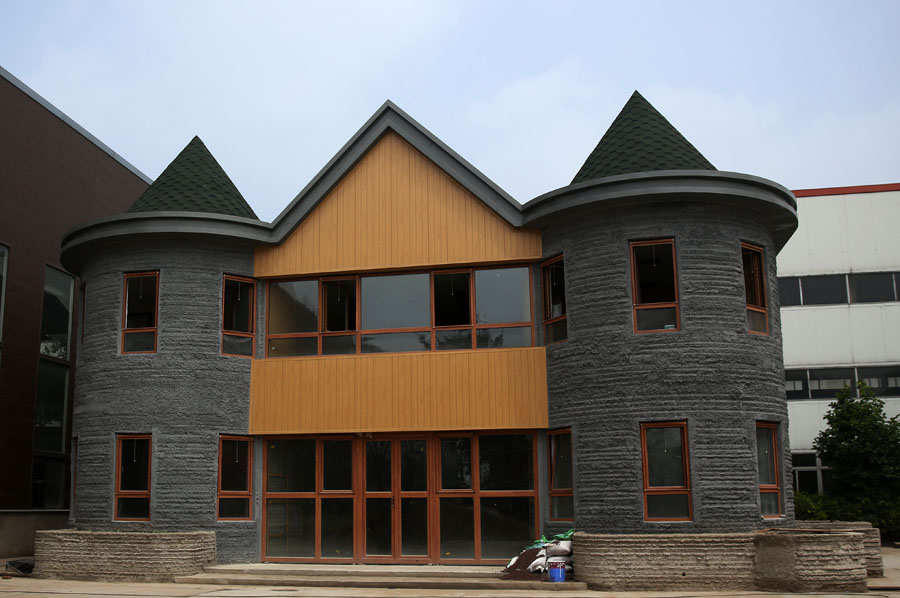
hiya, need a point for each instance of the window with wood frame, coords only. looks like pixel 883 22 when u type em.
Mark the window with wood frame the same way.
pixel 562 500
pixel 666 469
pixel 238 315
pixel 133 458
pixel 440 310
pixel 139 312
pixel 235 489
pixel 553 287
pixel 767 465
pixel 755 288
pixel 654 286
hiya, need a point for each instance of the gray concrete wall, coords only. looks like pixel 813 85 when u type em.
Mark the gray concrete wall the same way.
pixel 606 379
pixel 185 395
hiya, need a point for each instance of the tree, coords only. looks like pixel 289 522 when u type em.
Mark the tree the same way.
pixel 861 445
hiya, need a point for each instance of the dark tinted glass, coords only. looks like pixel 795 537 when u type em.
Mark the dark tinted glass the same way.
pixel 871 288
pixel 824 290
pixel 338 464
pixel 806 481
pixel 885 381
pixel 448 340
pixel 234 508
pixel 291 465
pixel 789 291
pixel 451 299
pixel 235 464
pixel 803 459
pixel 768 503
pixel 50 406
pixel 339 345
pixel 665 457
pixel 134 464
pixel 414 525
pixel 825 383
pixel 562 507
pixel 337 528
pixel 458 528
pixel 456 463
pixel 668 506
pixel 756 321
pixel 413 465
pixel 502 296
pixel 291 527
pixel 55 316
pixel 293 306
pixel 505 462
pixel 561 454
pixel 492 338
pixel 395 342
pixel 340 305
pixel 237 345
pixel 133 508
pixel 555 332
pixel 140 308
pixel 4 253
pixel 238 314
pixel 754 277
pixel 654 273
pixel 378 465
pixel 507 524
pixel 47 482
pixel 660 318
pixel 400 301
pixel 795 384
pixel 378 526
pixel 554 290
pixel 293 347
pixel 765 455
pixel 138 342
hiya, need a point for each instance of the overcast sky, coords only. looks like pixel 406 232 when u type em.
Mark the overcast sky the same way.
pixel 806 93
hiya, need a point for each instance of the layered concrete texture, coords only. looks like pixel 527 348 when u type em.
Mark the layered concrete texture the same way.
pixel 607 379
pixel 185 395
pixel 122 556
pixel 871 541
pixel 813 561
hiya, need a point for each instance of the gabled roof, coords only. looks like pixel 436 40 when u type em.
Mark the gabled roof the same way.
pixel 640 139
pixel 389 116
pixel 193 182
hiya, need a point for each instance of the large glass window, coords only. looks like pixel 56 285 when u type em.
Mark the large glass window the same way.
pixel 56 315
pixel 796 384
pixel 824 290
pixel 767 464
pixel 654 286
pixel 441 310
pixel 553 279
pixel 885 381
pixel 667 480
pixel 789 291
pixel 4 258
pixel 562 503
pixel 140 313
pixel 871 288
pixel 755 288
pixel 235 488
pixel 825 383
pixel 238 296
pixel 133 477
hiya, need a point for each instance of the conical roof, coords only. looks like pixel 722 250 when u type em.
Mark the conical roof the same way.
pixel 640 139
pixel 193 182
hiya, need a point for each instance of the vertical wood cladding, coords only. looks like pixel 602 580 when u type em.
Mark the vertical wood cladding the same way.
pixel 457 390
pixel 185 395
pixel 606 379
pixel 396 209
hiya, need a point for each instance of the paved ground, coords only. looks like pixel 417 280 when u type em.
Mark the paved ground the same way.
pixel 17 587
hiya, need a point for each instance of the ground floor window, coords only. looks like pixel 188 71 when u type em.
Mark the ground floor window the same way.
pixel 416 498
pixel 767 463
pixel 132 477
pixel 234 488
pixel 562 501
pixel 666 466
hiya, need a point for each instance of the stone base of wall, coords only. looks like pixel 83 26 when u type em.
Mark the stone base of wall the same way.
pixel 122 556
pixel 871 542
pixel 779 560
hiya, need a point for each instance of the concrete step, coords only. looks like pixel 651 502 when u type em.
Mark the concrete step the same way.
pixel 454 571
pixel 339 580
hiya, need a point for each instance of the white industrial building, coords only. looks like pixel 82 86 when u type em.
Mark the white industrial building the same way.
pixel 839 278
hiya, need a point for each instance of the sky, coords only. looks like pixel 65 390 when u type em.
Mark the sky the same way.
pixel 805 93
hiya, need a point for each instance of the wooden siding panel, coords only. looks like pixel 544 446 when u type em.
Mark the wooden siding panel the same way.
pixel 396 209
pixel 459 390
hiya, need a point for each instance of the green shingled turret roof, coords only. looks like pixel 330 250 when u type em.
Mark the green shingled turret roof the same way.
pixel 640 139
pixel 193 182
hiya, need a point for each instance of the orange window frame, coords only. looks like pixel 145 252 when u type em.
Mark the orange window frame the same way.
pixel 554 492
pixel 634 286
pixel 225 331
pixel 119 493
pixel 776 487
pixel 667 490
pixel 545 296
pixel 432 328
pixel 246 494
pixel 759 285
pixel 154 328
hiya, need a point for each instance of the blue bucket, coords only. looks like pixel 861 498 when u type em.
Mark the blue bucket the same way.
pixel 557 571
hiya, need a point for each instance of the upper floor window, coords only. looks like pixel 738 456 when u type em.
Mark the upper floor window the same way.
pixel 755 288
pixel 133 456
pixel 140 312
pixel 654 285
pixel 836 289
pixel 427 311
pixel 667 478
pixel 767 465
pixel 553 286
pixel 562 502
pixel 56 315
pixel 238 316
